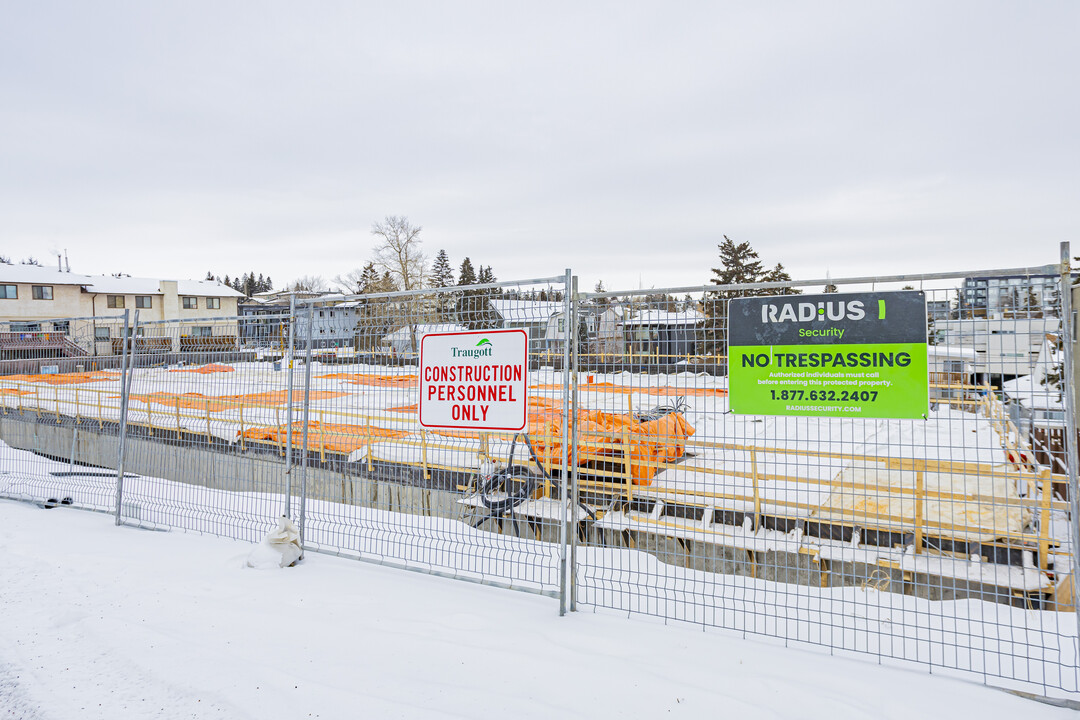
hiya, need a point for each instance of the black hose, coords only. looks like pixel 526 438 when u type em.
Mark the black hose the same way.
pixel 520 476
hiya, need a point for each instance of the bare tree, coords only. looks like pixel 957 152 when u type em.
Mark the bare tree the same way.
pixel 352 282
pixel 398 251
pixel 309 283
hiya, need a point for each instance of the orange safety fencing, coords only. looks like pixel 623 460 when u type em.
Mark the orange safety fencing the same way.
pixel 402 381
pixel 216 403
pixel 66 378
pixel 328 436
pixel 206 369
pixel 659 391
pixel 13 391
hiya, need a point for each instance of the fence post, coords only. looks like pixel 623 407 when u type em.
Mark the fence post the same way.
pixel 288 355
pixel 574 491
pixel 1068 328
pixel 125 392
pixel 304 436
pixel 564 498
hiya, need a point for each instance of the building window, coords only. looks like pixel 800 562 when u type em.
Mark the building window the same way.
pixel 25 327
pixel 191 303
pixel 9 292
pixel 41 292
pixel 202 331
pixel 213 303
pixel 115 301
pixel 144 301
pixel 62 326
pixel 101 333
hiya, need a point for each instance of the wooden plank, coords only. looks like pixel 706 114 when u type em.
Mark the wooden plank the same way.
pixel 1044 519
pixel 919 500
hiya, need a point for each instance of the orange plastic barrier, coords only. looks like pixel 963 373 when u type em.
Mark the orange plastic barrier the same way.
pixel 206 369
pixel 329 436
pixel 658 391
pixel 217 403
pixel 13 391
pixel 66 378
pixel 405 381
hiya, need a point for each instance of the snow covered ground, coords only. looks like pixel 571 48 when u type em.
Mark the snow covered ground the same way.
pixel 108 622
pixel 120 617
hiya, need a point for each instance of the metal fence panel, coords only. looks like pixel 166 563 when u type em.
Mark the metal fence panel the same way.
pixel 197 387
pixel 61 402
pixel 476 504
pixel 941 541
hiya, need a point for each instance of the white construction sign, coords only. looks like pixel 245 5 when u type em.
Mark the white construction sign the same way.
pixel 475 380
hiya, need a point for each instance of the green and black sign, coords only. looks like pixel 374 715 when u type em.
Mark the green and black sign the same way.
pixel 835 355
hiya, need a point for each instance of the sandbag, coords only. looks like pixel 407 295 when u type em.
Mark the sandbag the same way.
pixel 280 547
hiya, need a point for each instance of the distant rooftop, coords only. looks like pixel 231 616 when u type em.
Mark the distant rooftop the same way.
pixel 123 285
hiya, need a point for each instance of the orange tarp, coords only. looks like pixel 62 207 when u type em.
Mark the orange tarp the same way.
pixel 66 378
pixel 13 391
pixel 659 391
pixel 600 433
pixel 230 402
pixel 207 369
pixel 406 381
pixel 329 436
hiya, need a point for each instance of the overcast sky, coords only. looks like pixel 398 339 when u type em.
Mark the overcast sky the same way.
pixel 621 140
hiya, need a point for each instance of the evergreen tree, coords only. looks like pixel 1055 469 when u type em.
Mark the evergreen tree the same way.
pixel 740 265
pixel 601 302
pixel 227 281
pixel 369 279
pixel 209 275
pixel 486 276
pixel 779 274
pixel 466 274
pixel 442 274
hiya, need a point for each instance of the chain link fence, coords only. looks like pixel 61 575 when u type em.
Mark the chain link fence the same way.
pixel 945 541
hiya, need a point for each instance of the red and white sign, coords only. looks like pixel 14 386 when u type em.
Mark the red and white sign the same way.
pixel 475 380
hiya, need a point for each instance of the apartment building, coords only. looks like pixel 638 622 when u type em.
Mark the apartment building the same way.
pixel 38 306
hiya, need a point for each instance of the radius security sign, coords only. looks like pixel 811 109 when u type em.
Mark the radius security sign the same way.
pixel 834 355
pixel 474 380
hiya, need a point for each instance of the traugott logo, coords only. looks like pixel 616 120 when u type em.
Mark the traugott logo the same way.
pixel 482 349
